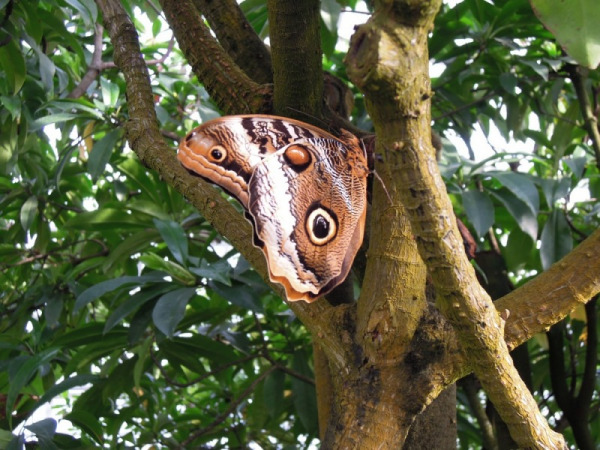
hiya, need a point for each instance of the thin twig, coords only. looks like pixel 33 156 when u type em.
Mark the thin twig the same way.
pixel 97 65
pixel 232 407
pixel 201 377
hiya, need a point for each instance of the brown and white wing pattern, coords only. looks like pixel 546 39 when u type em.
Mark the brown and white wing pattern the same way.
pixel 226 150
pixel 304 191
pixel 309 210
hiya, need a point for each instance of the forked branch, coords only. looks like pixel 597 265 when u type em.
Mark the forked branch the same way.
pixel 388 61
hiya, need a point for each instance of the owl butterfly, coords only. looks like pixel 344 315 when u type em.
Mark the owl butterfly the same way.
pixel 304 191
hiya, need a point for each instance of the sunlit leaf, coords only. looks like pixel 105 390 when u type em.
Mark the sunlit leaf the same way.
pixel 29 212
pixel 575 25
pixel 93 292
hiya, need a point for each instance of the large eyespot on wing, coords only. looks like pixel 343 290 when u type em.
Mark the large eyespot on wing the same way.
pixel 308 203
pixel 321 225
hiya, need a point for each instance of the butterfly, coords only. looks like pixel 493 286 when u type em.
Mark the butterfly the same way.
pixel 303 189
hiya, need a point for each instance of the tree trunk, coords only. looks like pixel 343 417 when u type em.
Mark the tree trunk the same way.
pixel 435 428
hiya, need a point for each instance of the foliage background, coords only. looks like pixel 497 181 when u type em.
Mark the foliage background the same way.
pixel 112 284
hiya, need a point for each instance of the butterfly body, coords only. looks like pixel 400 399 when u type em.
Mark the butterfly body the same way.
pixel 303 189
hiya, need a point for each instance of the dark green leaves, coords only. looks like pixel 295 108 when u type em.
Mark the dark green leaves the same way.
pixel 93 292
pixel 556 239
pixel 170 309
pixel 101 152
pixel 305 399
pixel 174 237
pixel 480 210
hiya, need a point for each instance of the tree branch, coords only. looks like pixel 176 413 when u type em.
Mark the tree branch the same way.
pixel 226 83
pixel 296 55
pixel 145 139
pixel 232 29
pixel 578 75
pixel 469 385
pixel 97 65
pixel 388 61
pixel 553 294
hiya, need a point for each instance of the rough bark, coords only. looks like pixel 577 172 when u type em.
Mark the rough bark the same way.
pixel 226 83
pixel 548 298
pixel 237 38
pixel 296 55
pixel 435 428
pixel 388 61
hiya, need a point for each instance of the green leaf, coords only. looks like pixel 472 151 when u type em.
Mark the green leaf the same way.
pixel 110 92
pixel 90 333
pixel 93 292
pixel 86 9
pixel 218 271
pixel 53 118
pixel 562 136
pixel 258 410
pixel 142 352
pixel 522 214
pixel 13 65
pixel 304 395
pixel 508 82
pixel 577 165
pixel 43 429
pixel 29 212
pixel 175 238
pixel 107 219
pixel 155 262
pixel 101 152
pixel 88 423
pixel 522 186
pixel 273 392
pixel 5 437
pixel 555 190
pixel 170 309
pixel 480 210
pixel 12 104
pixel 556 239
pixel 133 303
pixel 238 295
pixel 575 25
pixel 130 245
pixel 518 250
pixel 63 386
pixel 25 371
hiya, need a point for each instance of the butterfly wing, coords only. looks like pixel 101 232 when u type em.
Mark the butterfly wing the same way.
pixel 225 151
pixel 308 202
